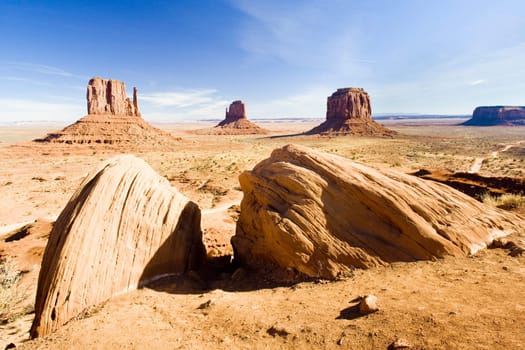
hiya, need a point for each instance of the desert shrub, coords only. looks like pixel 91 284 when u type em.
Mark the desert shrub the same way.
pixel 10 293
pixel 505 201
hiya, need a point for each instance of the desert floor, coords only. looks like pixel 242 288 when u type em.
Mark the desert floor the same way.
pixel 475 302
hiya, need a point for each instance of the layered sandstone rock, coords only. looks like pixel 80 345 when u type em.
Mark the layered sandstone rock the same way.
pixel 497 115
pixel 123 227
pixel 324 215
pixel 236 122
pixel 113 119
pixel 109 97
pixel 114 130
pixel 349 112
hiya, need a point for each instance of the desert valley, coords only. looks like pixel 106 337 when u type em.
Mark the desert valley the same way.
pixel 341 233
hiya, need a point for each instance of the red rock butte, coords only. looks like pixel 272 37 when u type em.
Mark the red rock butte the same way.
pixel 236 122
pixel 349 112
pixel 113 119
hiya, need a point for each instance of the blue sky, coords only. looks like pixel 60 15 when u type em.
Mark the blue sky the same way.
pixel 190 59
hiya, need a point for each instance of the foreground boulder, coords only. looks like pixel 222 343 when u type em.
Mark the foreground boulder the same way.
pixel 125 226
pixel 497 115
pixel 324 215
pixel 349 112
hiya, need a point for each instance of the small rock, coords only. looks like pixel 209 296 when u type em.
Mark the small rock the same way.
pixel 505 267
pixel 205 305
pixel 273 331
pixel 368 305
pixel 399 344
pixel 10 346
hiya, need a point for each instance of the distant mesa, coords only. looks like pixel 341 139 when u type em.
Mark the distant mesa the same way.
pixel 113 119
pixel 323 216
pixel 497 115
pixel 124 227
pixel 349 112
pixel 236 122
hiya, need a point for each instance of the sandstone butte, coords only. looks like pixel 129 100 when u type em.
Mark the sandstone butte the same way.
pixel 349 112
pixel 323 215
pixel 497 115
pixel 236 122
pixel 124 226
pixel 113 119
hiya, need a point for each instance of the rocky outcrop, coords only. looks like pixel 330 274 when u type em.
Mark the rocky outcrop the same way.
pixel 123 227
pixel 497 115
pixel 109 97
pixel 324 215
pixel 113 119
pixel 112 130
pixel 349 112
pixel 236 122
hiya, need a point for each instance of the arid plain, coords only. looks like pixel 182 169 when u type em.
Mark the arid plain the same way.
pixel 474 302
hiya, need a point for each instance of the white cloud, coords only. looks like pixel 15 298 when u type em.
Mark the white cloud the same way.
pixel 12 110
pixel 183 104
pixel 39 68
pixel 181 99
pixel 310 102
pixel 477 82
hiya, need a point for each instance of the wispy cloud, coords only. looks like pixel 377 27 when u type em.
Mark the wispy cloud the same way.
pixel 477 82
pixel 183 104
pixel 305 34
pixel 39 68
pixel 24 110
pixel 181 99
pixel 310 102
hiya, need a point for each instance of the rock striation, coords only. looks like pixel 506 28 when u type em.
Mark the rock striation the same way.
pixel 349 112
pixel 236 122
pixel 497 115
pixel 113 119
pixel 124 227
pixel 109 97
pixel 324 215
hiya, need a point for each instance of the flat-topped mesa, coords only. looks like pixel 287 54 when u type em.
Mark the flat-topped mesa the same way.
pixel 109 97
pixel 349 103
pixel 349 112
pixel 497 115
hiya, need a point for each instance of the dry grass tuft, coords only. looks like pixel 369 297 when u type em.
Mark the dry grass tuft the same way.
pixel 508 201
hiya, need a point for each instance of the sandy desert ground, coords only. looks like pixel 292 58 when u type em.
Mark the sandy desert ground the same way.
pixel 473 302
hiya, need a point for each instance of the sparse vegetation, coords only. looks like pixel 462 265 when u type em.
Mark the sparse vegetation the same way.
pixel 10 293
pixel 508 201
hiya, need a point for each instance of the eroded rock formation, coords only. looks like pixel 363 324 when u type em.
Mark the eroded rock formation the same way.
pixel 497 115
pixel 109 97
pixel 349 112
pixel 236 122
pixel 123 227
pixel 113 119
pixel 324 215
